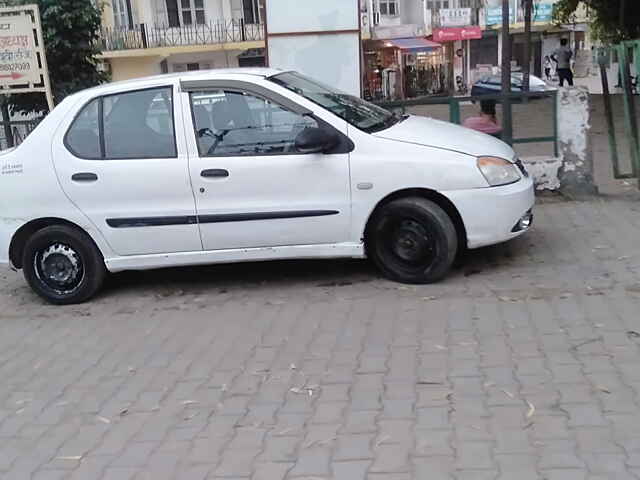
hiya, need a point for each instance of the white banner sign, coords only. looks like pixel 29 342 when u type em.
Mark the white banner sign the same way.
pixel 18 59
pixel 455 17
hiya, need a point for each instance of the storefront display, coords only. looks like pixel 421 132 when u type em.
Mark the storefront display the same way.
pixel 406 68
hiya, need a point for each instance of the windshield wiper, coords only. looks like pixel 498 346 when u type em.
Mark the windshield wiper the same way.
pixel 384 124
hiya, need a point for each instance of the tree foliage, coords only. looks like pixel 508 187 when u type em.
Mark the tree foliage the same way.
pixel 71 31
pixel 611 20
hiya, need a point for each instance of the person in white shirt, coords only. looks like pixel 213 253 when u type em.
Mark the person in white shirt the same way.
pixel 562 57
pixel 547 68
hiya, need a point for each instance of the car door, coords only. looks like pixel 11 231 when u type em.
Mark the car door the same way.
pixel 120 162
pixel 252 188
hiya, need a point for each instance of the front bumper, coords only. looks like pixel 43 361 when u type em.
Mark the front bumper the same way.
pixel 490 214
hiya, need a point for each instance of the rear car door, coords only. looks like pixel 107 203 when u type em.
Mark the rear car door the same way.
pixel 122 160
pixel 252 188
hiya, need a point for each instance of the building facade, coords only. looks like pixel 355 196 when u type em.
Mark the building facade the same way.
pixel 469 35
pixel 147 37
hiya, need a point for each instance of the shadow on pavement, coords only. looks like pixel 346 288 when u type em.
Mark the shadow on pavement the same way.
pixel 303 273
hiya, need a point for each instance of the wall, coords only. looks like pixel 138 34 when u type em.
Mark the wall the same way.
pixel 127 68
pixel 333 57
pixel 219 59
pixel 107 15
pixel 572 171
pixel 412 11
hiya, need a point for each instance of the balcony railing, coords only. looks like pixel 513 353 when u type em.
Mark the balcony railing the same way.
pixel 152 36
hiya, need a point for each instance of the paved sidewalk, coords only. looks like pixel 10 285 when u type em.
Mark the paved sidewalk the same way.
pixel 523 364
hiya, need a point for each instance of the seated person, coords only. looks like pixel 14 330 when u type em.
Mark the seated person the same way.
pixel 486 121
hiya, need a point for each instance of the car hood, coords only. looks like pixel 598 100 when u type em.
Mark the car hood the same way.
pixel 438 134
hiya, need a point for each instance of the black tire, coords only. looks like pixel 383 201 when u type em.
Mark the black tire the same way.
pixel 63 265
pixel 412 240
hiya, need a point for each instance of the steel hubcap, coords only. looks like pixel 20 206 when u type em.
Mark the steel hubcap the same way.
pixel 60 268
pixel 410 242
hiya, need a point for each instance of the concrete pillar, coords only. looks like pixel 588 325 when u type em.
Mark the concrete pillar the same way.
pixel 576 157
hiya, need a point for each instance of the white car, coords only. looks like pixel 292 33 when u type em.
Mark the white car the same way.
pixel 243 165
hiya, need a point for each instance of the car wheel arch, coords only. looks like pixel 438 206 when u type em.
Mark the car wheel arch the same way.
pixel 433 195
pixel 20 237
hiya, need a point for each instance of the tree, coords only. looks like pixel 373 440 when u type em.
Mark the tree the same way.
pixel 71 31
pixel 612 21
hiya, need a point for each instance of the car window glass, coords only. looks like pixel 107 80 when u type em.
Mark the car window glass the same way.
pixel 83 138
pixel 364 115
pixel 139 125
pixel 233 123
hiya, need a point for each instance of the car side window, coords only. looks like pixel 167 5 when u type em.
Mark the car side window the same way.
pixel 232 123
pixel 129 125
pixel 83 138
pixel 139 125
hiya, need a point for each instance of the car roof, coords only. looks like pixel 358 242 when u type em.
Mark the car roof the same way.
pixel 194 75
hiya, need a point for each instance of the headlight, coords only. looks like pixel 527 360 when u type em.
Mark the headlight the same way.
pixel 498 171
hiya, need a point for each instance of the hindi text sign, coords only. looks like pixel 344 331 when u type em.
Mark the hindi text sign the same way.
pixel 18 60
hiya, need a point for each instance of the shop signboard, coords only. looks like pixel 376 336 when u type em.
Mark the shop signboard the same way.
pixel 455 17
pixel 23 64
pixel 441 35
pixel 542 12
pixel 494 16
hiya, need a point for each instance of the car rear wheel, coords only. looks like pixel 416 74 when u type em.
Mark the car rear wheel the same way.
pixel 63 265
pixel 412 240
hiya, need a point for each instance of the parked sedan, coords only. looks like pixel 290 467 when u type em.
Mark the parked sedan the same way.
pixel 492 85
pixel 244 165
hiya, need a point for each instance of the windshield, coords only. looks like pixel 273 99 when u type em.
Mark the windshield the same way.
pixel 364 115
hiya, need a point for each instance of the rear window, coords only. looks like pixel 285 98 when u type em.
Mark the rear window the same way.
pixel 130 125
pixel 83 138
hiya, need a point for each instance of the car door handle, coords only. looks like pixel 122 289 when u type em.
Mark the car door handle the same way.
pixel 214 173
pixel 84 177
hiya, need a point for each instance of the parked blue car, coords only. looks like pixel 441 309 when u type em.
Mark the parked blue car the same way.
pixel 492 85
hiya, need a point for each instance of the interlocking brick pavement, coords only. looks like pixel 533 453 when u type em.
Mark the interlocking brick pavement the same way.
pixel 522 364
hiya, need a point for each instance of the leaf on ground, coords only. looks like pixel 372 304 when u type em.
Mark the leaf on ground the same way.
pixel 604 390
pixel 532 409
pixel 124 412
pixel 382 439
pixel 507 393
pixel 633 334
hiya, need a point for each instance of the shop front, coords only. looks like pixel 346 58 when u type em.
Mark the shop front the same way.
pixel 405 68
pixel 459 41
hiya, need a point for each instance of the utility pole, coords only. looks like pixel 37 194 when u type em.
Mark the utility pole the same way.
pixel 507 124
pixel 526 68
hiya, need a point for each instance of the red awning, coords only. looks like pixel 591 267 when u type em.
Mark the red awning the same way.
pixel 413 45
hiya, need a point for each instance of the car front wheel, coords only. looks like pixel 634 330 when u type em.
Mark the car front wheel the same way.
pixel 412 240
pixel 63 265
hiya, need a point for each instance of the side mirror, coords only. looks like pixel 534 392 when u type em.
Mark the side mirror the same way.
pixel 315 140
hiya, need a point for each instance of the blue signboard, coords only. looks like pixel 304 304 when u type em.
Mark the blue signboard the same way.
pixel 494 16
pixel 543 12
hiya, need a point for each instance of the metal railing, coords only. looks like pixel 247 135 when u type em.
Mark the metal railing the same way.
pixel 628 57
pixel 511 98
pixel 151 36
pixel 13 133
